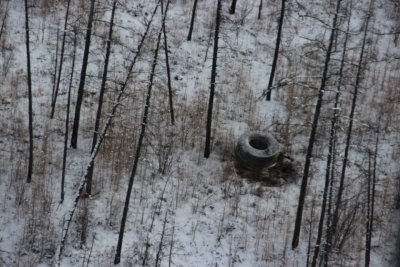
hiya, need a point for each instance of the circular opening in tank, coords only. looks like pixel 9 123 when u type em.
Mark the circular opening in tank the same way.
pixel 259 143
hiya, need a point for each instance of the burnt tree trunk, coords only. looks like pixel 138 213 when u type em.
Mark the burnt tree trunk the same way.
pixel 117 258
pixel 314 126
pixel 54 99
pixel 212 86
pixel 67 120
pixel 332 137
pixel 189 38
pixel 338 203
pixel 232 9
pixel 101 95
pixel 29 83
pixel 75 128
pixel 171 105
pixel 276 52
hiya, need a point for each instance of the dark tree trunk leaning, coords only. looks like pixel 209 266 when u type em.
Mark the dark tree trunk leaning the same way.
pixel 332 137
pixel 101 95
pixel 67 120
pixel 117 258
pixel 276 52
pixel 338 203
pixel 29 83
pixel 54 99
pixel 260 9
pixel 207 149
pixel 171 105
pixel 232 9
pixel 314 126
pixel 75 128
pixel 189 38
pixel 107 123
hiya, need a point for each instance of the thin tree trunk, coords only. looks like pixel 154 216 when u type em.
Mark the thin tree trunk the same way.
pixel 260 9
pixel 171 105
pixel 78 194
pixel 331 146
pixel 75 128
pixel 67 119
pixel 212 86
pixel 371 203
pixel 351 120
pixel 29 81
pixel 299 214
pixel 101 95
pixel 189 38
pixel 276 52
pixel 232 9
pixel 3 23
pixel 117 258
pixel 54 99
pixel 55 65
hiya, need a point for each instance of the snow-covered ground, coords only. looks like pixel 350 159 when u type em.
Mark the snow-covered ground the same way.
pixel 186 210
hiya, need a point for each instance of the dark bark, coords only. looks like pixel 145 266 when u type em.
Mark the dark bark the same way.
pixel 107 123
pixel 29 83
pixel 101 96
pixel 314 126
pixel 232 9
pixel 338 203
pixel 171 105
pixel 276 52
pixel 3 23
pixel 332 137
pixel 67 120
pixel 212 86
pixel 371 202
pixel 75 128
pixel 189 38
pixel 260 9
pixel 117 258
pixel 55 64
pixel 54 99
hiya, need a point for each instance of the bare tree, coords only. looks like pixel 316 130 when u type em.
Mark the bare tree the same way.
pixel 351 121
pixel 75 128
pixel 101 95
pixel 314 126
pixel 276 52
pixel 117 258
pixel 332 137
pixel 171 105
pixel 29 82
pixel 93 155
pixel 67 118
pixel 207 149
pixel 371 201
pixel 54 99
pixel 189 38
pixel 232 9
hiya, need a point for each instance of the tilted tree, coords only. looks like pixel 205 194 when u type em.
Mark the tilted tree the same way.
pixel 101 96
pixel 189 38
pixel 29 83
pixel 67 118
pixel 117 258
pixel 81 87
pixel 57 85
pixel 232 9
pixel 360 67
pixel 207 149
pixel 276 52
pixel 332 137
pixel 121 93
pixel 314 126
pixel 170 98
